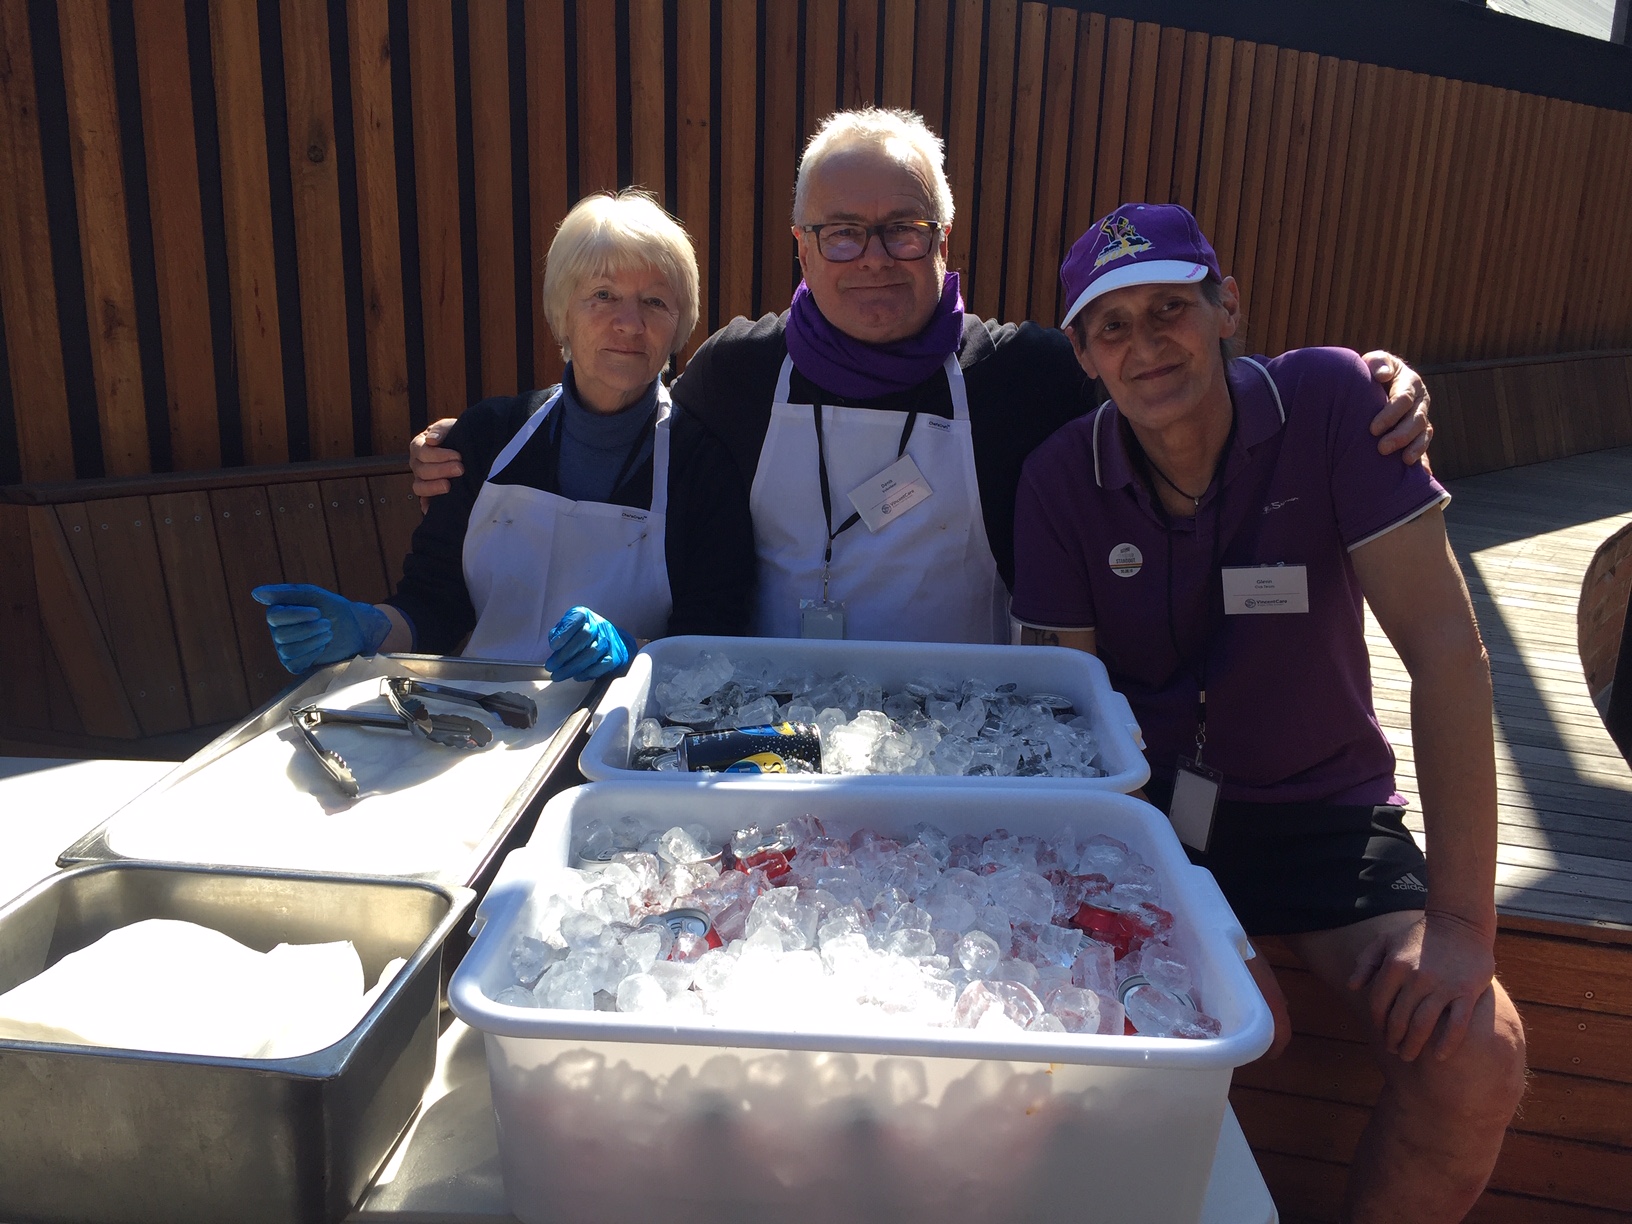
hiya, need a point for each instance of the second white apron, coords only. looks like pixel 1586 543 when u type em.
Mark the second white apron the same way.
pixel 929 577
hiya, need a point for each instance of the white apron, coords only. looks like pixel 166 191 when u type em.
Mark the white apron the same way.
pixel 530 555
pixel 928 577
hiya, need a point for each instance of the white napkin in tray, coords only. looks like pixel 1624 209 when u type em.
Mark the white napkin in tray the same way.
pixel 181 988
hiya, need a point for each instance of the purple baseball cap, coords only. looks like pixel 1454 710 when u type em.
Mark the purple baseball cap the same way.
pixel 1138 244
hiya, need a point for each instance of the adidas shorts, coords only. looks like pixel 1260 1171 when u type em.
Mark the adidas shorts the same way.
pixel 1286 868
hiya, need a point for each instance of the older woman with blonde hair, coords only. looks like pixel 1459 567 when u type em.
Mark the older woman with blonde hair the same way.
pixel 550 547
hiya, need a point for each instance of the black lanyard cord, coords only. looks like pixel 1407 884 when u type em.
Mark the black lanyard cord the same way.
pixel 1215 566
pixel 833 532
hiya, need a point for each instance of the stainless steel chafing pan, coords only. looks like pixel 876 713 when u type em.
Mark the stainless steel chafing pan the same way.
pixel 131 1137
pixel 552 768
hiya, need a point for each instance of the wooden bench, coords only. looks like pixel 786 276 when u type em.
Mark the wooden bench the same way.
pixel 126 626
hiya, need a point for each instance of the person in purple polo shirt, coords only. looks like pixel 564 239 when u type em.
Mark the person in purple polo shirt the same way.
pixel 1210 533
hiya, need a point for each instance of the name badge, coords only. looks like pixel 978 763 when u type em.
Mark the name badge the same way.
pixel 1195 803
pixel 890 494
pixel 1258 590
pixel 819 618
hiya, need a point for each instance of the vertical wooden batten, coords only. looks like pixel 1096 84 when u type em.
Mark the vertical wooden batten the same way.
pixel 546 161
pixel 28 291
pixel 314 176
pixel 436 191
pixel 99 180
pixel 379 239
pixel 245 191
pixel 495 220
pixel 176 208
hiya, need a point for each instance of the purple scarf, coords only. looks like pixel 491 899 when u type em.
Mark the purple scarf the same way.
pixel 856 370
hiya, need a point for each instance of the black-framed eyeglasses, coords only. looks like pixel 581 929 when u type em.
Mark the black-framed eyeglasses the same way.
pixel 843 241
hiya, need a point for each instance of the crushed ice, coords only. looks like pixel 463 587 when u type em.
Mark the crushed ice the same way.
pixel 805 927
pixel 929 727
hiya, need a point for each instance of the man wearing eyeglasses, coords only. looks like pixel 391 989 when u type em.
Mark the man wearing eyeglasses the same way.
pixel 848 468
pixel 875 431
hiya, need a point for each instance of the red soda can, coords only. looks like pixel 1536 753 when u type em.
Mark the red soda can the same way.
pixel 687 921
pixel 1119 928
pixel 771 852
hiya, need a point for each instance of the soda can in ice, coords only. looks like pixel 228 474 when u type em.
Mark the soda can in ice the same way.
pixel 753 749
pixel 770 852
pixel 687 921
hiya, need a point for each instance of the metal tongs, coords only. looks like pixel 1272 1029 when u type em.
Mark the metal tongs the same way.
pixel 333 763
pixel 513 709
pixel 448 730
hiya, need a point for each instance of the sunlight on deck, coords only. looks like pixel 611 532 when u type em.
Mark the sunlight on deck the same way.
pixel 1525 537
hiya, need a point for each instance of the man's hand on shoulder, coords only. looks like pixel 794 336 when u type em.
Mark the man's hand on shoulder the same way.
pixel 1425 978
pixel 1403 424
pixel 434 466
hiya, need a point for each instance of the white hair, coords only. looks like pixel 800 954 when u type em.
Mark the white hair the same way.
pixel 900 135
pixel 607 233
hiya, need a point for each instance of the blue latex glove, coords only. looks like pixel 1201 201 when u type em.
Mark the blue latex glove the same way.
pixel 312 626
pixel 586 645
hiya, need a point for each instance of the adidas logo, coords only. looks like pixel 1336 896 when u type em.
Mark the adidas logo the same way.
pixel 1409 883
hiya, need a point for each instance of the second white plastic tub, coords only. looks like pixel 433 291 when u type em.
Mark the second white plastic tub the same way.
pixel 611 1117
pixel 1035 669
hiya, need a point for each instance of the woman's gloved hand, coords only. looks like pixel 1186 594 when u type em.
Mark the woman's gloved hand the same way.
pixel 312 626
pixel 586 646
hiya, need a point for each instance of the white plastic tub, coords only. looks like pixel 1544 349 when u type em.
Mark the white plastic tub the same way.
pixel 604 1116
pixel 1038 669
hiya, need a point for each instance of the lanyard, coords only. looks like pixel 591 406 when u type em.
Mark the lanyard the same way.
pixel 636 449
pixel 833 532
pixel 1199 668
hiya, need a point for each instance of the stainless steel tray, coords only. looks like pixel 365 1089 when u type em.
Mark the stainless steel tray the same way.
pixel 130 1137
pixel 504 832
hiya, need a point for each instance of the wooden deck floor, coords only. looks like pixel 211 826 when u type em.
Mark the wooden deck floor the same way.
pixel 1524 538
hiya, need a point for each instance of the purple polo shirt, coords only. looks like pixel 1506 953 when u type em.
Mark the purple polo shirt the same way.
pixel 1289 713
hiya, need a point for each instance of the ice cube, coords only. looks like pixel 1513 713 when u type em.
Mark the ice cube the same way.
pixel 995 922
pixel 1155 1012
pixel 678 846
pixel 978 953
pixel 1095 968
pixel 1024 895
pixel 1009 1004
pixel 1077 1009
pixel 581 929
pixel 530 958
pixel 644 946
pixel 648 734
pixel 641 992
pixel 951 913
pixel 569 989
pixel 687 948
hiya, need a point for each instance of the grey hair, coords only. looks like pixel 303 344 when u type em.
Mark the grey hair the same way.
pixel 901 135
pixel 611 233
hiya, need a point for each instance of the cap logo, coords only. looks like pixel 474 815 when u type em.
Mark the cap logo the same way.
pixel 1125 240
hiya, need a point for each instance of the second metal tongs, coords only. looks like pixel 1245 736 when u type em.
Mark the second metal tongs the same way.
pixel 448 730
pixel 513 709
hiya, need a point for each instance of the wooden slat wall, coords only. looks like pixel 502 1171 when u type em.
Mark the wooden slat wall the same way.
pixel 323 221
pixel 127 614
